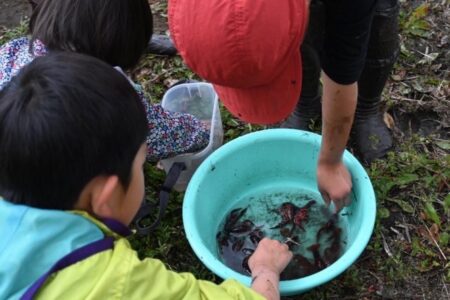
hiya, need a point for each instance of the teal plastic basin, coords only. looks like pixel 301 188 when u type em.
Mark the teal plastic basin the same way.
pixel 270 160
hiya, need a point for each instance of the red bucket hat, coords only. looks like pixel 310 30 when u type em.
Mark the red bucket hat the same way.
pixel 249 50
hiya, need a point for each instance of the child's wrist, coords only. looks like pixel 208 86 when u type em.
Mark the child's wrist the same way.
pixel 261 267
pixel 265 282
pixel 267 274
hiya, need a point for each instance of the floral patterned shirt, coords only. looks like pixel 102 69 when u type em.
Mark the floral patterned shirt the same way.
pixel 170 133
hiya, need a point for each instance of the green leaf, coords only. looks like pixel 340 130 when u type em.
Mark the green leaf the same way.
pixel 431 213
pixel 421 11
pixel 428 180
pixel 383 186
pixel 405 206
pixel 416 246
pixel 383 213
pixel 444 239
pixel 416 23
pixel 407 178
pixel 443 144
pixel 420 25
pixel 447 203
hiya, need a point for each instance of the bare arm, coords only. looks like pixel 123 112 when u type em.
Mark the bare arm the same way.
pixel 338 110
pixel 265 283
pixel 268 261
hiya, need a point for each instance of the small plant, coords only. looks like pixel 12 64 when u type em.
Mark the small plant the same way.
pixel 415 23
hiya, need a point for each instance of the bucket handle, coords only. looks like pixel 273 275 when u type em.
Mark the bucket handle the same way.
pixel 147 208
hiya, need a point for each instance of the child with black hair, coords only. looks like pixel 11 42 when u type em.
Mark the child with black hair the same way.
pixel 117 32
pixel 71 180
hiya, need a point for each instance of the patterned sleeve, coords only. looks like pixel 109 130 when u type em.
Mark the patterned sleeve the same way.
pixel 16 54
pixel 172 133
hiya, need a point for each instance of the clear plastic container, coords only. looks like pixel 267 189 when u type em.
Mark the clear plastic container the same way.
pixel 200 100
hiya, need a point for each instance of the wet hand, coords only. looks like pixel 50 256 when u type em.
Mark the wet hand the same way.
pixel 271 256
pixel 335 184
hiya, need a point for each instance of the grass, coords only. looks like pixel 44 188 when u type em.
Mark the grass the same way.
pixel 408 254
pixel 7 34
pixel 410 244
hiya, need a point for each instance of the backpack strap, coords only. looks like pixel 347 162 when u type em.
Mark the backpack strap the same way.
pixel 68 260
pixel 148 208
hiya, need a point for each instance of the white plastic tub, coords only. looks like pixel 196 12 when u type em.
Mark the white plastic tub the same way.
pixel 200 100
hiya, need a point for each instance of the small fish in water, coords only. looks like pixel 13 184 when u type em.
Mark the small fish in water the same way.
pixel 237 246
pixel 302 215
pixel 304 264
pixel 287 212
pixel 285 232
pixel 332 253
pixel 328 227
pixel 299 266
pixel 222 240
pixel 318 262
pixel 245 265
pixel 293 214
pixel 242 228
pixel 256 236
pixel 234 216
pixel 248 251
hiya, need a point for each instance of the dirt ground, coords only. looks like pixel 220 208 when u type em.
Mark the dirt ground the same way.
pixel 425 120
pixel 408 256
pixel 12 12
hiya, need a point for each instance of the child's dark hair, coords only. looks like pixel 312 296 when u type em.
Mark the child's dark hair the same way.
pixel 115 31
pixel 65 119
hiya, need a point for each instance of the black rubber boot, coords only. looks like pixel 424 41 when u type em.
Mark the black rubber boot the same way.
pixel 161 45
pixel 309 107
pixel 306 113
pixel 371 138
pixel 370 135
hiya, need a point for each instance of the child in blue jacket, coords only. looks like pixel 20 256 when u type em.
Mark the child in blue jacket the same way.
pixel 72 149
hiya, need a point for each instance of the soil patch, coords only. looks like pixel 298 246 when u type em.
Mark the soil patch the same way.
pixel 159 12
pixel 12 12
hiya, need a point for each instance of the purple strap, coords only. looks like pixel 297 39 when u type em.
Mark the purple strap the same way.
pixel 117 227
pixel 70 259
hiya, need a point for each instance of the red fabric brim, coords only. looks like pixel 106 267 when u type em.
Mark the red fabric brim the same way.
pixel 266 104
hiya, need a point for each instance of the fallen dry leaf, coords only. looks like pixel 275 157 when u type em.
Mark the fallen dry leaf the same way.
pixel 434 229
pixel 389 121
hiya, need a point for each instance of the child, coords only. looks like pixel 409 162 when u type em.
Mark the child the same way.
pixel 159 44
pixel 71 178
pixel 117 32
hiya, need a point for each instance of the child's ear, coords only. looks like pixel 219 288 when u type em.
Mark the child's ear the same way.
pixel 105 196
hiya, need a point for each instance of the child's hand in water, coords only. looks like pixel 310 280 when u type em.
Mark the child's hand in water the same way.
pixel 270 256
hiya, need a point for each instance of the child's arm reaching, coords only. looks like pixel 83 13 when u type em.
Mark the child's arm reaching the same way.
pixel 172 133
pixel 150 279
pixel 268 261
